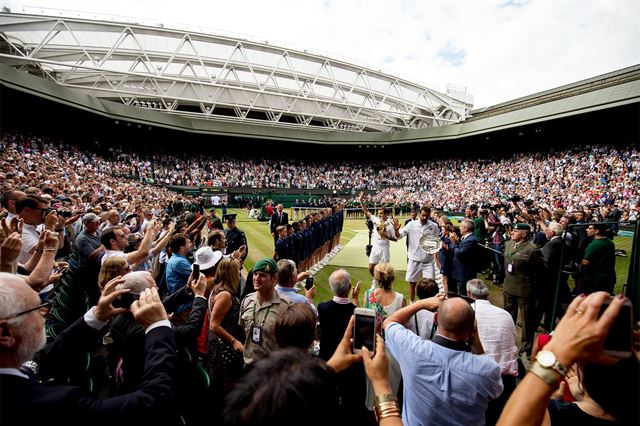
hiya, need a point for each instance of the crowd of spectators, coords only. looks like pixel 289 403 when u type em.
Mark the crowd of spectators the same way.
pixel 577 177
pixel 177 333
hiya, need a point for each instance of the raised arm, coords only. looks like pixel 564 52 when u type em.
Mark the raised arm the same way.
pixel 145 246
pixel 580 336
pixel 402 316
pixel 364 208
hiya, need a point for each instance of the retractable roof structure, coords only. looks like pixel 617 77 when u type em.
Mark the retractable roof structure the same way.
pixel 209 77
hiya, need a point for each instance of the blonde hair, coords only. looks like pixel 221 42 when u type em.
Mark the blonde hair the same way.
pixel 111 268
pixel 227 276
pixel 384 274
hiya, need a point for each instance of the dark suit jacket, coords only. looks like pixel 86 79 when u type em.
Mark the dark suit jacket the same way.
pixel 551 255
pixel 28 402
pixel 128 341
pixel 277 221
pixel 334 318
pixel 465 259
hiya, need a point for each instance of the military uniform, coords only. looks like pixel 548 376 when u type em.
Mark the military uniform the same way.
pixel 264 316
pixel 523 268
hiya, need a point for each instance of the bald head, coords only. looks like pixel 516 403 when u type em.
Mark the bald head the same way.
pixel 137 281
pixel 456 319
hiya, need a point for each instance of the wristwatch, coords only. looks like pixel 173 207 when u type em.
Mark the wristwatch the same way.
pixel 548 369
pixel 548 359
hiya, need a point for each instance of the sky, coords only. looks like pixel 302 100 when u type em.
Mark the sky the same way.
pixel 497 50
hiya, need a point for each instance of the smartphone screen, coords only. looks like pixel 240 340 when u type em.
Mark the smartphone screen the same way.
pixel 196 271
pixel 308 283
pixel 364 332
pixel 619 337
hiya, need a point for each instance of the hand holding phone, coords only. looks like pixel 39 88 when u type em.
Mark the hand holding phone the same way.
pixel 364 330
pixel 196 272
pixel 308 283
pixel 619 340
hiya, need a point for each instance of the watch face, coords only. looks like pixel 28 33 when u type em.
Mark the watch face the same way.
pixel 546 358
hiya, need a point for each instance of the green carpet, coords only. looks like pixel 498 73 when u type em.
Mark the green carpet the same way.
pixel 353 254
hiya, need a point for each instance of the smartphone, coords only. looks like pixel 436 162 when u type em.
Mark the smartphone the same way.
pixel 61 270
pixel 619 339
pixel 308 283
pixel 125 300
pixel 364 330
pixel 196 272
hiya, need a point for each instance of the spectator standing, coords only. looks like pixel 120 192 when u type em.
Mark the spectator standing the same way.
pixel 447 380
pixel 599 262
pixel 498 336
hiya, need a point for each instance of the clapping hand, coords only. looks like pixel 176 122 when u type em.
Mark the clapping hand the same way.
pixel 15 225
pixel 104 310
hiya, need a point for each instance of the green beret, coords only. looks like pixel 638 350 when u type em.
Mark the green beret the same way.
pixel 523 227
pixel 266 264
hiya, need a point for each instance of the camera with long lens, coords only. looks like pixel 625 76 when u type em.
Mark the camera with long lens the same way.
pixel 370 227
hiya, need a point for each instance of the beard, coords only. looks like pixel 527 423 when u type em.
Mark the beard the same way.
pixel 32 342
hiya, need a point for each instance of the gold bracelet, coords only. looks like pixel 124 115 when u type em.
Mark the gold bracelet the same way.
pixel 51 250
pixel 386 409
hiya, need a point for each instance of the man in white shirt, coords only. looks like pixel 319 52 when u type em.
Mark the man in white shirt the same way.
pixel 34 211
pixel 498 336
pixel 383 233
pixel 420 264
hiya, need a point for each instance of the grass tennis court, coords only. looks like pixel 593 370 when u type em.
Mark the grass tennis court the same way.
pixel 353 258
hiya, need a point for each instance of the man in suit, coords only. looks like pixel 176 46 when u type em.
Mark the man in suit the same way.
pixel 278 218
pixel 334 316
pixel 128 336
pixel 465 257
pixel 552 256
pixel 523 269
pixel 26 401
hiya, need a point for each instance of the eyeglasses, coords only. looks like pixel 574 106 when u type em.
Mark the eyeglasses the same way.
pixel 43 306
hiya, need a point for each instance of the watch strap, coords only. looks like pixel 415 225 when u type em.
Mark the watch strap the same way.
pixel 548 375
pixel 560 368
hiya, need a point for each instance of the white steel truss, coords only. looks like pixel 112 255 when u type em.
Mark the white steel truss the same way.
pixel 219 78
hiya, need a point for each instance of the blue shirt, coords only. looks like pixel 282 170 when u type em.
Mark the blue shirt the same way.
pixel 292 295
pixel 442 386
pixel 177 273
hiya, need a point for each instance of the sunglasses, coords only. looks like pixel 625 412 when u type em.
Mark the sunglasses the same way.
pixel 43 306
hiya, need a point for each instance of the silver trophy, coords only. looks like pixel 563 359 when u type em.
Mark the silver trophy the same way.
pixel 430 243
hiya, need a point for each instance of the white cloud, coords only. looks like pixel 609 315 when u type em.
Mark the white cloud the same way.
pixel 499 50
